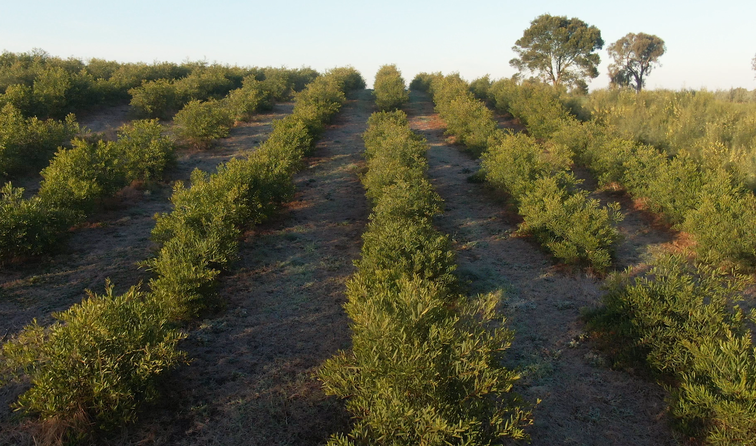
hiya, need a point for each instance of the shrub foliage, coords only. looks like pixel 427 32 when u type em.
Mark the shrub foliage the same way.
pixel 425 362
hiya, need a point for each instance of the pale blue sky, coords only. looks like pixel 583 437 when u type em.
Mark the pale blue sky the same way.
pixel 709 44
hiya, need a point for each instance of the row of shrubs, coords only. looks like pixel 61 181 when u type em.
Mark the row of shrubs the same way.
pixel 45 86
pixel 703 197
pixel 72 184
pixel 677 318
pixel 389 89
pixel 26 144
pixel 162 98
pixel 93 369
pixel 681 322
pixel 199 237
pixel 198 123
pixel 80 176
pixel 537 177
pixel 41 85
pixel 425 365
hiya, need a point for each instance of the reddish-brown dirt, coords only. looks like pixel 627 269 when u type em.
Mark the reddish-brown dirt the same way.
pixel 582 401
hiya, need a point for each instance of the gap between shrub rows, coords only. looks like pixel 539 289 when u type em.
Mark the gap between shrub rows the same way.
pixel 573 227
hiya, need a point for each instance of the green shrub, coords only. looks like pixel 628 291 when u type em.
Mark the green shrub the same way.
pixel 252 98
pixel 514 164
pixel 422 81
pixel 97 364
pixel 29 227
pixel 156 99
pixel 539 106
pixel 289 142
pixel 671 187
pixel 421 373
pixel 573 227
pixel 466 117
pixel 199 237
pixel 425 365
pixel 73 183
pixel 471 122
pixel 717 397
pixel 51 86
pixel 278 83
pixel 389 89
pixel 21 97
pixel 348 78
pixel 198 123
pixel 144 149
pixel 680 321
pixel 301 77
pixel 77 177
pixel 203 84
pixel 654 316
pixel 722 223
pixel 26 144
pixel 479 87
pixel 318 102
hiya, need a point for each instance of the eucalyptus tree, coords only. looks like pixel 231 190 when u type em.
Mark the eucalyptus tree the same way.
pixel 634 56
pixel 561 50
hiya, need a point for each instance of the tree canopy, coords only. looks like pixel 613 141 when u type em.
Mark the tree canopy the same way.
pixel 561 50
pixel 634 56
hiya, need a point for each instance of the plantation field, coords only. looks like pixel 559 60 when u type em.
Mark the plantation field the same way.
pixel 582 402
pixel 264 325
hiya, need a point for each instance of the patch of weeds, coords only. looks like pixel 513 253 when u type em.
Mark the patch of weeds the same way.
pixel 331 263
pixel 522 305
pixel 577 340
pixel 214 326
pixel 472 244
pixel 596 360
pixel 311 247
pixel 503 235
pixel 536 368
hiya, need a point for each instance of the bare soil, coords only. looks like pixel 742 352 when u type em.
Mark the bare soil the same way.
pixel 106 120
pixel 582 401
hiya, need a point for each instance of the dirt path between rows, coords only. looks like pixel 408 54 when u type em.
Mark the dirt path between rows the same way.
pixel 251 380
pixel 108 246
pixel 582 401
